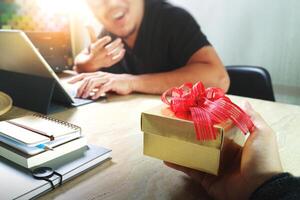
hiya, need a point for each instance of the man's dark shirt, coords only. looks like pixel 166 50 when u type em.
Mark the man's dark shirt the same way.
pixel 167 39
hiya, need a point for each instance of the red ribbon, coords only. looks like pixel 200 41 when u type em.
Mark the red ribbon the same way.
pixel 206 107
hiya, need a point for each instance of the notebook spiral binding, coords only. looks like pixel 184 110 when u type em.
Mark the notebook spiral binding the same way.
pixel 58 121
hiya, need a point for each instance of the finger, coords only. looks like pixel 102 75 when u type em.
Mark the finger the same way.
pixel 77 78
pixel 111 60
pixel 81 89
pixel 202 178
pixel 116 50
pixel 116 43
pixel 119 56
pixel 92 84
pixel 197 175
pixel 246 106
pixel 257 119
pixel 262 129
pixel 92 34
pixel 98 95
pixel 99 44
pixel 102 90
pixel 86 80
pixel 80 77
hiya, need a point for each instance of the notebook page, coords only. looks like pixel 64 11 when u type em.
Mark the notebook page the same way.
pixel 21 135
pixel 44 125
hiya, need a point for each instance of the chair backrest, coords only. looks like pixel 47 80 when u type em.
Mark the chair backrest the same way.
pixel 250 81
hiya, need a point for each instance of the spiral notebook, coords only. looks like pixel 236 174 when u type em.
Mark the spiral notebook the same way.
pixel 36 129
pixel 27 132
pixel 20 139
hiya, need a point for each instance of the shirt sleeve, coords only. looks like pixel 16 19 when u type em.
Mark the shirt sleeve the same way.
pixel 185 35
pixel 282 186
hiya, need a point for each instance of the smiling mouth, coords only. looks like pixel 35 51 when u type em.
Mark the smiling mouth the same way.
pixel 119 15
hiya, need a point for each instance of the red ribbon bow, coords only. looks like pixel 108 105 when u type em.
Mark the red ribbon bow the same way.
pixel 206 107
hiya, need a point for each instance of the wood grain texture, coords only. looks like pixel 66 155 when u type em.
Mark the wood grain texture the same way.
pixel 115 124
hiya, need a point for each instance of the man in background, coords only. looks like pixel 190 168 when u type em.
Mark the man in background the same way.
pixel 148 46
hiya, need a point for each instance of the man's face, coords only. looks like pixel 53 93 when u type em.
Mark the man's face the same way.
pixel 120 17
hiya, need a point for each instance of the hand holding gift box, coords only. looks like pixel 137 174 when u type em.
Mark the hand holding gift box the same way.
pixel 249 172
pixel 192 132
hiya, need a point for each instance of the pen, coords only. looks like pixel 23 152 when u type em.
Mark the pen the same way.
pixel 45 147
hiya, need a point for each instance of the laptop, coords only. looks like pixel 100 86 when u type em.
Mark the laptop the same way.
pixel 18 54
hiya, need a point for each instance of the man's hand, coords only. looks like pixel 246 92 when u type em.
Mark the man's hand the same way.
pixel 243 169
pixel 101 53
pixel 97 83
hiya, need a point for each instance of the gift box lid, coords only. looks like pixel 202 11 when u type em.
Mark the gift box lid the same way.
pixel 162 121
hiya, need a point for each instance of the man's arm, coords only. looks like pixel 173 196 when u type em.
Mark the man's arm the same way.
pixel 204 65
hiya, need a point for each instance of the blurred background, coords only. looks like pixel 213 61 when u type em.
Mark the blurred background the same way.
pixel 56 27
pixel 261 33
pixel 254 32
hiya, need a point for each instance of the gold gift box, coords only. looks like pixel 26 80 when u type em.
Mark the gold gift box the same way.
pixel 172 139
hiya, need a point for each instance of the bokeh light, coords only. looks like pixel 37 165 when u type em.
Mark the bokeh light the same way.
pixel 40 15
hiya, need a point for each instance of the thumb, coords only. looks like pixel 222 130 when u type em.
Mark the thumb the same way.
pixel 257 119
pixel 92 34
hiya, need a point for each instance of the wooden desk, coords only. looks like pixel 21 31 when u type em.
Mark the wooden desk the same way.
pixel 130 175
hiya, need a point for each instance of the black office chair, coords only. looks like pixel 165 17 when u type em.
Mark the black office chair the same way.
pixel 250 81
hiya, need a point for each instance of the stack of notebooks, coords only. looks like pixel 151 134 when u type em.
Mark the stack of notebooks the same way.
pixel 33 140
